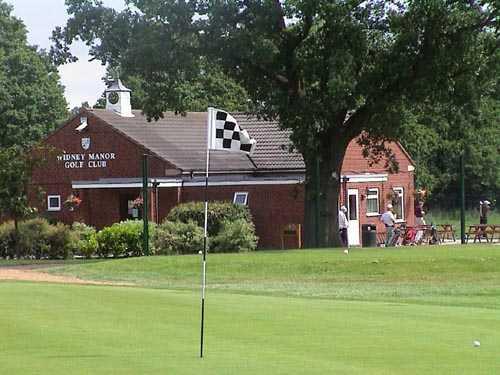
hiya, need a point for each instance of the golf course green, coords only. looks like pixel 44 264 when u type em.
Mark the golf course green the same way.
pixel 385 311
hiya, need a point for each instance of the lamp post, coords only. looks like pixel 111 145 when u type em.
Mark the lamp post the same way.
pixel 145 231
pixel 345 180
pixel 462 199
pixel 156 184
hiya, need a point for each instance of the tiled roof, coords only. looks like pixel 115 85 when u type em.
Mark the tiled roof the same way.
pixel 181 140
pixel 272 151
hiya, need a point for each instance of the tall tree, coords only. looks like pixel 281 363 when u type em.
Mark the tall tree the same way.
pixel 437 136
pixel 329 70
pixel 210 87
pixel 31 105
pixel 31 98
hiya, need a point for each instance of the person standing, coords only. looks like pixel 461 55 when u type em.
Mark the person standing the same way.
pixel 389 221
pixel 419 220
pixel 343 226
pixel 484 209
pixel 419 213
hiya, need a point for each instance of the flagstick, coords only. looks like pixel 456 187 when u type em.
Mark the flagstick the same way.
pixel 205 238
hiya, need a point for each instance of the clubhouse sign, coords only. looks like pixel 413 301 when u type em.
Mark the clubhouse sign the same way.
pixel 87 160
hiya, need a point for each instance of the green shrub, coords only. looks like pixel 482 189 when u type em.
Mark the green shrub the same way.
pixel 59 241
pixel 177 238
pixel 217 213
pixel 39 239
pixel 108 242
pixel 84 240
pixel 7 240
pixel 122 239
pixel 238 235
pixel 33 238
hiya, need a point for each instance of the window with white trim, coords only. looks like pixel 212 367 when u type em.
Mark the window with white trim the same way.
pixel 398 204
pixel 240 197
pixel 372 202
pixel 54 203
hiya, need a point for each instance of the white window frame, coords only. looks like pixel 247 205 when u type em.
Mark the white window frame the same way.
pixel 401 195
pixel 378 201
pixel 245 193
pixel 53 208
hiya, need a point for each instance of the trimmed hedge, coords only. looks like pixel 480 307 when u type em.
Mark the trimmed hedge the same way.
pixel 7 241
pixel 229 228
pixel 60 241
pixel 177 238
pixel 218 212
pixel 85 240
pixel 238 235
pixel 122 239
pixel 36 239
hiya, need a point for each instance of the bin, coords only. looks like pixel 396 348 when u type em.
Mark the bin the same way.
pixel 369 235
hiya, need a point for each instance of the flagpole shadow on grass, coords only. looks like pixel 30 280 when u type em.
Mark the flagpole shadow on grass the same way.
pixel 223 133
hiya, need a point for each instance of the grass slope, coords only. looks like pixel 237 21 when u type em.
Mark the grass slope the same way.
pixel 462 276
pixel 63 329
pixel 392 311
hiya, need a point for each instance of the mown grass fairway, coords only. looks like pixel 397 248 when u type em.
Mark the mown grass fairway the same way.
pixel 393 311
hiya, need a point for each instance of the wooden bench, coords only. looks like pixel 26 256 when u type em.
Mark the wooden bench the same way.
pixel 492 232
pixel 477 232
pixel 446 232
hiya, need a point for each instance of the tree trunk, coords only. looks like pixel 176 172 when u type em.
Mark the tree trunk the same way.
pixel 322 190
pixel 311 205
pixel 16 238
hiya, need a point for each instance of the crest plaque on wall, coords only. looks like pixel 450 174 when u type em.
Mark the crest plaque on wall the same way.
pixel 85 143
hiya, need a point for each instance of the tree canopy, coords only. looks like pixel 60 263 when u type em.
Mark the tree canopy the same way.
pixel 437 136
pixel 328 70
pixel 31 98
pixel 210 87
pixel 31 105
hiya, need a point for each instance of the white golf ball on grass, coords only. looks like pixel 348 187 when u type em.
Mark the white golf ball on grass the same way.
pixel 346 251
pixel 476 343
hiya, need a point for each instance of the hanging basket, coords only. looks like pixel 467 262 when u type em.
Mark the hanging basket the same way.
pixel 72 202
pixel 138 203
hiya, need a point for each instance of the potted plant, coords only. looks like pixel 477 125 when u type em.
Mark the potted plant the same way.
pixel 72 202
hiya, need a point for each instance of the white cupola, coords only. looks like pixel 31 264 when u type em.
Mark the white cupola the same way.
pixel 118 99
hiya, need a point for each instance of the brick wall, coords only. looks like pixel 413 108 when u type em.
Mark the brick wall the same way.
pixel 272 206
pixel 354 162
pixel 99 207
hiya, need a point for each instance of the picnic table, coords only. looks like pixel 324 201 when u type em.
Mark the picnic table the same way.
pixel 446 232
pixel 488 232
pixel 477 232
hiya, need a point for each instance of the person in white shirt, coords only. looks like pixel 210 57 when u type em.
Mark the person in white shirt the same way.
pixel 343 225
pixel 389 220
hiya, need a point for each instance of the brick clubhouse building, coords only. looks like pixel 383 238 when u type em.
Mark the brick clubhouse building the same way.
pixel 98 156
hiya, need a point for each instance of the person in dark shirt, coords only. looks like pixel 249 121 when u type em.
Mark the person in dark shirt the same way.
pixel 484 209
pixel 419 213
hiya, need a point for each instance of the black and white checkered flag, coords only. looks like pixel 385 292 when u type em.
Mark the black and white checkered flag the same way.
pixel 226 134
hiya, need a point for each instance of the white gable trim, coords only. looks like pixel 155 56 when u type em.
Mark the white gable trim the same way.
pixel 118 185
pixel 166 183
pixel 368 177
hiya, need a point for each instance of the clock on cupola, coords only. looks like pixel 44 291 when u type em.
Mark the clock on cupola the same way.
pixel 118 99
